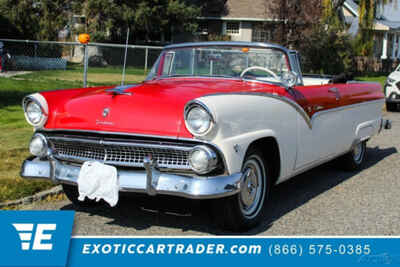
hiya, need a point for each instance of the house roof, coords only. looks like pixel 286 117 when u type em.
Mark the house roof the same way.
pixel 244 10
pixel 390 16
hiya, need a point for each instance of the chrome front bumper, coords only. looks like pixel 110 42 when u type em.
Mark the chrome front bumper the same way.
pixel 149 181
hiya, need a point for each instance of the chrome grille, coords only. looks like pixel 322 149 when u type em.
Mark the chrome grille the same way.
pixel 120 154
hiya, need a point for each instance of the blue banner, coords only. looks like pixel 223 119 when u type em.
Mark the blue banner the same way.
pixel 43 238
pixel 235 251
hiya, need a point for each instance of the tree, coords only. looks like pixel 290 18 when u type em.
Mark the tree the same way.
pixel 367 14
pixel 109 20
pixel 36 19
pixel 296 18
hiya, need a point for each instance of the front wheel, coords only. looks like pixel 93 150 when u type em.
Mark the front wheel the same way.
pixel 353 160
pixel 247 208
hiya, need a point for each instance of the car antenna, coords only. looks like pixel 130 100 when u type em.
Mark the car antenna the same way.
pixel 126 53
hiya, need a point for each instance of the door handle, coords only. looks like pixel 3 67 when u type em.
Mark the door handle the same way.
pixel 335 91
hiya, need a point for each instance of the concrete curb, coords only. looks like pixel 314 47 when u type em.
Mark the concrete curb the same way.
pixel 36 197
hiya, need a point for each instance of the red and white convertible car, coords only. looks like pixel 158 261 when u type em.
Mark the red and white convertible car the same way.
pixel 216 120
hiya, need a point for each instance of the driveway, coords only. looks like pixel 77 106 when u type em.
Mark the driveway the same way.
pixel 323 201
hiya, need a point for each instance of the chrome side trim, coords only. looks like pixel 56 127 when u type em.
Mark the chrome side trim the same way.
pixel 297 107
pixel 288 101
pixel 320 113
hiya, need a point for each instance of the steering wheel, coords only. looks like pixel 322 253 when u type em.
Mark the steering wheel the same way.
pixel 259 68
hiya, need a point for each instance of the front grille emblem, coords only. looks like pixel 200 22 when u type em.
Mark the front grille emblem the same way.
pixel 106 111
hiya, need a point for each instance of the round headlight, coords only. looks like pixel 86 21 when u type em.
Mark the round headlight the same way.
pixel 202 159
pixel 34 112
pixel 38 146
pixel 198 120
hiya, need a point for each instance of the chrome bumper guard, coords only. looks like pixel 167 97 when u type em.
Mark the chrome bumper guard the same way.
pixel 149 181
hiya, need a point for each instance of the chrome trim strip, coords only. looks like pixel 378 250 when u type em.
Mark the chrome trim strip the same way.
pixel 137 181
pixel 297 107
pixel 102 142
pixel 237 43
pixel 320 113
pixel 292 103
pixel 117 133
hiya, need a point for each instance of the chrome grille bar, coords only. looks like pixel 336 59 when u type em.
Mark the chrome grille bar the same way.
pixel 128 154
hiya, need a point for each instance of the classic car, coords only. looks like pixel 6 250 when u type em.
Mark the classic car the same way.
pixel 215 120
pixel 392 90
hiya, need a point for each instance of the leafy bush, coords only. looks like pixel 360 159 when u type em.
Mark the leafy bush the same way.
pixel 327 51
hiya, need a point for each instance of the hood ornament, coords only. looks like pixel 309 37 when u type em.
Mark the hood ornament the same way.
pixel 120 90
pixel 106 111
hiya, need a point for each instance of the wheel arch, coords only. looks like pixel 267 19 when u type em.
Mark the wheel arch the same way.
pixel 269 148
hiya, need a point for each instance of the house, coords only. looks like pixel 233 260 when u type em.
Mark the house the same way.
pixel 242 20
pixel 386 28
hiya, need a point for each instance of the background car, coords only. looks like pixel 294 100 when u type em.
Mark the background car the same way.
pixel 392 90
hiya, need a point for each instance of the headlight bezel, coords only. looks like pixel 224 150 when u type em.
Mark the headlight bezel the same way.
pixel 41 102
pixel 212 159
pixel 45 150
pixel 197 104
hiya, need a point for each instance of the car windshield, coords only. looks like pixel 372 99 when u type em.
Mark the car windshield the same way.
pixel 265 64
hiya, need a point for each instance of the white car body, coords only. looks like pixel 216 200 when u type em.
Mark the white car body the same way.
pixel 392 87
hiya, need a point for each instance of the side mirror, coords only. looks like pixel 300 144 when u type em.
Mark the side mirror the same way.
pixel 289 79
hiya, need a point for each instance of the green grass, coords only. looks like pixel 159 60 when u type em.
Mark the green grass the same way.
pixel 378 79
pixel 15 133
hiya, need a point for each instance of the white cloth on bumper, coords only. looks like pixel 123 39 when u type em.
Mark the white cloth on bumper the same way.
pixel 98 181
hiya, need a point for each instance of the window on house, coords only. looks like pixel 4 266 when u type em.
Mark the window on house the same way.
pixel 203 27
pixel 261 34
pixel 232 27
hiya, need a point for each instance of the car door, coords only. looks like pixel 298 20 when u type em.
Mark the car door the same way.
pixel 321 137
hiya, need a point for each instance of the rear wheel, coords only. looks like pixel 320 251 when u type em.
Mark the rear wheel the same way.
pixel 246 209
pixel 353 160
pixel 71 191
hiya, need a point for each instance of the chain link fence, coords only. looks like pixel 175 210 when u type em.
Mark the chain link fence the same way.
pixel 65 61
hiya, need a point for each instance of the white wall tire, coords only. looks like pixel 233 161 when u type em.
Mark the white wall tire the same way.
pixel 354 160
pixel 246 209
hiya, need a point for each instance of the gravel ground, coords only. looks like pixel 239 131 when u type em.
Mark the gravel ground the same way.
pixel 323 201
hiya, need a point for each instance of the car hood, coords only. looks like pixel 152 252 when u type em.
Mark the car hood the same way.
pixel 152 108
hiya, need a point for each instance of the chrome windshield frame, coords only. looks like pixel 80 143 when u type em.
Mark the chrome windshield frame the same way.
pixel 159 62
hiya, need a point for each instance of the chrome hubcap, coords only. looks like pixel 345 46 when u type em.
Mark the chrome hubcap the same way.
pixel 251 188
pixel 358 152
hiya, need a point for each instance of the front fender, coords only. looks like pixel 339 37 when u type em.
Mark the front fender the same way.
pixel 242 119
